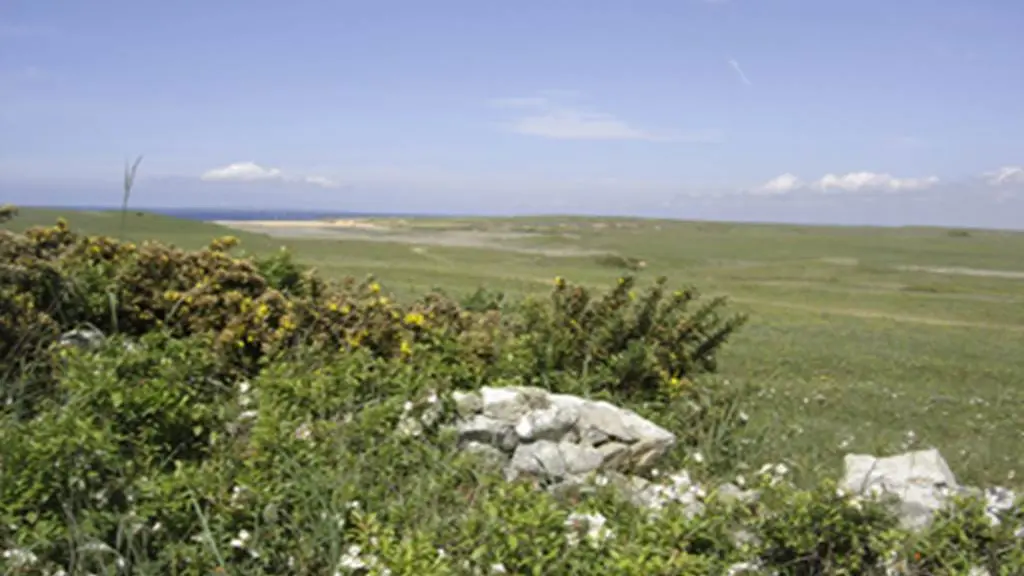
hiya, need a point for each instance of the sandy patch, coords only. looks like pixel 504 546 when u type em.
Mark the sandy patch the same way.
pixel 345 223
pixel 372 232
pixel 962 271
pixel 1011 274
pixel 841 261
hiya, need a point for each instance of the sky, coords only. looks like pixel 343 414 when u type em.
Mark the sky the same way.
pixel 838 111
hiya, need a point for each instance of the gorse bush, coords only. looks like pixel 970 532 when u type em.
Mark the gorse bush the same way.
pixel 257 309
pixel 239 416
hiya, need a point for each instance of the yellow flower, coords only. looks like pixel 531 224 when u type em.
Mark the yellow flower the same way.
pixel 414 319
pixel 632 295
pixel 559 281
pixel 345 309
pixel 287 322
pixel 263 311
pixel 375 287
pixel 332 307
pixel 406 348
pixel 383 301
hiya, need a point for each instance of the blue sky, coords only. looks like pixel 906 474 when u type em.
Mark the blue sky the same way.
pixel 803 110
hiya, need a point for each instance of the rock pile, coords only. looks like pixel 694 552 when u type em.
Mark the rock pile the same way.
pixel 557 437
pixel 564 440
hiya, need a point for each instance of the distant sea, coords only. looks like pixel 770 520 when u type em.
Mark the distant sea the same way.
pixel 208 214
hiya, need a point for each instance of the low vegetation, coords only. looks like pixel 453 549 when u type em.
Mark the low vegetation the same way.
pixel 233 414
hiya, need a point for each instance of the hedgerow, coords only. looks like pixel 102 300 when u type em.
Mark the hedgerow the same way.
pixel 238 415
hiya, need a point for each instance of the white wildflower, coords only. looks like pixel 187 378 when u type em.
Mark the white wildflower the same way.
pixel 19 557
pixel 241 540
pixel 743 568
pixel 352 559
pixel 304 432
pixel 594 524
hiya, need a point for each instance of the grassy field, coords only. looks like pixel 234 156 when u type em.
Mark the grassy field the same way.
pixel 863 339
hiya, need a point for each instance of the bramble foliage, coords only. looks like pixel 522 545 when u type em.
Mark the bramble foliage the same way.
pixel 240 417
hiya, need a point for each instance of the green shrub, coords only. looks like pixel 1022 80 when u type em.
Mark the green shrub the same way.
pixel 242 417
pixel 634 346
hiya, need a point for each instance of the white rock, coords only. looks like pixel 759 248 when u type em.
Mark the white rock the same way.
pixel 920 480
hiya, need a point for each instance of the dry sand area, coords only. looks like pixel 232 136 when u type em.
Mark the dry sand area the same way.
pixel 402 232
pixel 954 270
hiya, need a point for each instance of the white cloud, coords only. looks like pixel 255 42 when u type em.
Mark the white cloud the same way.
pixel 242 171
pixel 320 181
pixel 739 71
pixel 850 182
pixel 780 184
pixel 548 119
pixel 1005 175
pixel 252 172
pixel 857 181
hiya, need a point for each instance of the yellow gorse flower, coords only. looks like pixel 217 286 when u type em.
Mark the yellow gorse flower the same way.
pixel 414 319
